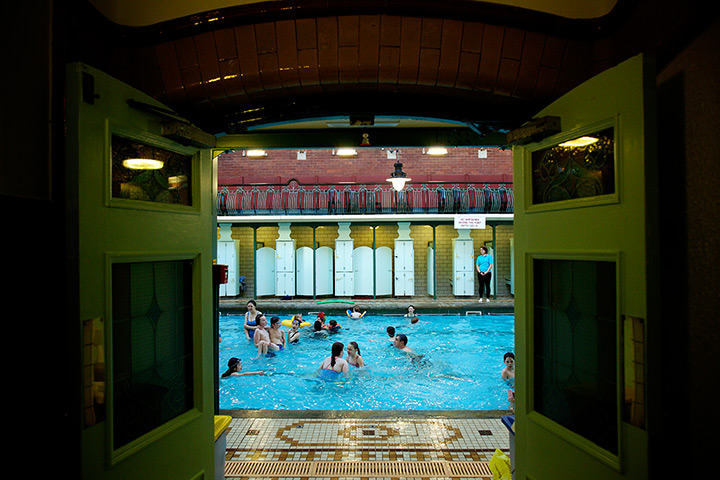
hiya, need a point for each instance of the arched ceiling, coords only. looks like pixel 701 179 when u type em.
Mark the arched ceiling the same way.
pixel 234 67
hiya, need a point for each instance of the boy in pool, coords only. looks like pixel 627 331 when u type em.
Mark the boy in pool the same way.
pixel 333 326
pixel 509 370
pixel 262 338
pixel 294 333
pixel 391 333
pixel 277 335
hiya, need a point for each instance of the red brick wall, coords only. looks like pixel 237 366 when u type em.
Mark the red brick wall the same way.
pixel 371 165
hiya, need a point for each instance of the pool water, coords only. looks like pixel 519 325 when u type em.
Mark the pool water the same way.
pixel 456 366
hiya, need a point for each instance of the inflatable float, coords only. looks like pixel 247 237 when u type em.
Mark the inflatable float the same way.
pixel 336 301
pixel 288 323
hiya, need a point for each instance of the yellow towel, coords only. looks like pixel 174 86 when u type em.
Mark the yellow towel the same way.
pixel 500 466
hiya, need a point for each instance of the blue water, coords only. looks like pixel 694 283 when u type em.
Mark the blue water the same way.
pixel 456 366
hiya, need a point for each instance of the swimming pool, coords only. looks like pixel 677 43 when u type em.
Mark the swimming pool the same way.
pixel 457 367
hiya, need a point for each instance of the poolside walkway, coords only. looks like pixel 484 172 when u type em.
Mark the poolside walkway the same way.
pixel 287 443
pixel 299 444
pixel 382 305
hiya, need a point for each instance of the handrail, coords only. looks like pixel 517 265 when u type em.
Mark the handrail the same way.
pixel 338 199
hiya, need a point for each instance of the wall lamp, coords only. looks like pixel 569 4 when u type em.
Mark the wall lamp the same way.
pixel 143 164
pixel 255 153
pixel 435 151
pixel 345 152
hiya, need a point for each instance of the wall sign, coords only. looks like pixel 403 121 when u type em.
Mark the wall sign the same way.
pixel 470 221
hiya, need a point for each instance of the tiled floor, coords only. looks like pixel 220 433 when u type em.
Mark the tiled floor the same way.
pixel 367 437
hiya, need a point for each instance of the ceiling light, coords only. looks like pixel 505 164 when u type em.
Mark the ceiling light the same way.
pixel 436 151
pixel 143 164
pixel 579 142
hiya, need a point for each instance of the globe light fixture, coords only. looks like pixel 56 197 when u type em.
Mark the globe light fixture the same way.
pixel 398 177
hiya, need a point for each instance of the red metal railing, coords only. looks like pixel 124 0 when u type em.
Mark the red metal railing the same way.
pixel 337 199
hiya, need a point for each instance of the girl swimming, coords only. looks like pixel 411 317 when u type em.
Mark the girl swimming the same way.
pixel 353 355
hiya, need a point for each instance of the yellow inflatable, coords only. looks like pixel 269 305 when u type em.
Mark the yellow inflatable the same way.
pixel 500 466
pixel 288 323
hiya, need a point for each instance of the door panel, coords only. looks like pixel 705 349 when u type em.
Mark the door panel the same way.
pixel 144 257
pixel 580 270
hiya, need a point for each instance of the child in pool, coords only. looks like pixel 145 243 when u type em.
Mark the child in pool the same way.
pixel 509 370
pixel 355 313
pixel 294 332
pixel 411 314
pixel 277 336
pixel 391 333
pixel 508 374
pixel 353 355
pixel 262 338
pixel 235 367
pixel 335 362
pixel 333 327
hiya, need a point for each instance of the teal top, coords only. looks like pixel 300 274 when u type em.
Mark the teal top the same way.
pixel 484 262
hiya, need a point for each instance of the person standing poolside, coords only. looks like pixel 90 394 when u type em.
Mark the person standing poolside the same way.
pixel 277 335
pixel 262 338
pixel 250 322
pixel 484 265
pixel 335 362
pixel 353 355
pixel 235 367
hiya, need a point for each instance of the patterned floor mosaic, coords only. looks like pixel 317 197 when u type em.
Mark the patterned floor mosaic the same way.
pixel 394 439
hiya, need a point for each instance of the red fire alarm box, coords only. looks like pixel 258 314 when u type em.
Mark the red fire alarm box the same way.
pixel 220 274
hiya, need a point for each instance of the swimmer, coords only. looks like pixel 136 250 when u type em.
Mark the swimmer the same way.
pixel 333 327
pixel 335 362
pixel 400 342
pixel 277 335
pixel 355 313
pixel 234 367
pixel 391 333
pixel 262 338
pixel 509 370
pixel 250 322
pixel 411 314
pixel 293 335
pixel 353 355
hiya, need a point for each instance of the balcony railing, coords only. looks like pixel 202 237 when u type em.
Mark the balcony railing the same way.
pixel 315 199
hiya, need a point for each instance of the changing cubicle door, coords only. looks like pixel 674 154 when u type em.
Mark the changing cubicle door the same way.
pixel 305 271
pixel 324 271
pixel 363 270
pixel 383 271
pixel 404 268
pixel 284 268
pixel 463 267
pixel 344 283
pixel 265 268
pixel 430 271
pixel 227 255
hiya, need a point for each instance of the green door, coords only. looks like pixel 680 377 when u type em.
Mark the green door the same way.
pixel 581 284
pixel 143 260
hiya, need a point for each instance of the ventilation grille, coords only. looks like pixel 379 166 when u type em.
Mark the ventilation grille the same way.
pixel 358 469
